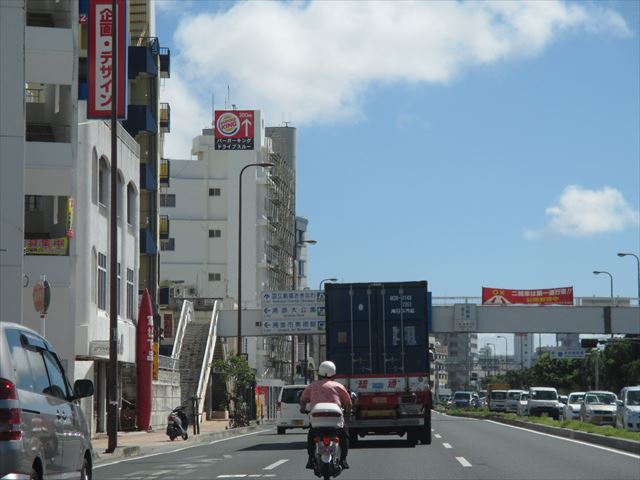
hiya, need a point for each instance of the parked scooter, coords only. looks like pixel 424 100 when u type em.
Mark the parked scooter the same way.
pixel 326 419
pixel 177 423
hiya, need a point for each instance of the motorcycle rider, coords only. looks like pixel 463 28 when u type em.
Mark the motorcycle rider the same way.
pixel 326 390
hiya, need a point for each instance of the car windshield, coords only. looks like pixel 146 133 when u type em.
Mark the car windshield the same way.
pixel 633 397
pixel 291 395
pixel 524 397
pixel 544 395
pixel 576 398
pixel 513 395
pixel 461 396
pixel 601 398
pixel 498 395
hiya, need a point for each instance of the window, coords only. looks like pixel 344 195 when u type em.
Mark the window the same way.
pixel 215 277
pixel 103 182
pixel 58 384
pixel 130 299
pixel 32 203
pixel 215 233
pixel 102 281
pixel 167 200
pixel 214 192
pixel 131 205
pixel 168 245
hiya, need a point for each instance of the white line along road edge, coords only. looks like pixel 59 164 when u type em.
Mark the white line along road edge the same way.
pixel 276 464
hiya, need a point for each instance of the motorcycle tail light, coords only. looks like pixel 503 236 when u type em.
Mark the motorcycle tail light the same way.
pixel 316 439
pixel 169 419
pixel 326 440
pixel 336 440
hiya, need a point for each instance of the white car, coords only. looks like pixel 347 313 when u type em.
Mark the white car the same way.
pixel 599 407
pixel 571 411
pixel 288 407
pixel 523 404
pixel 628 412
pixel 543 401
pixel 496 400
pixel 511 403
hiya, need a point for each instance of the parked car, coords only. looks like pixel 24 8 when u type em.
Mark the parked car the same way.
pixel 599 407
pixel 288 409
pixel 571 410
pixel 628 411
pixel 511 402
pixel 543 401
pixel 463 399
pixel 523 404
pixel 497 399
pixel 43 431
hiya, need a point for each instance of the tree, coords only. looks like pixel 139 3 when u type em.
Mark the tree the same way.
pixel 237 376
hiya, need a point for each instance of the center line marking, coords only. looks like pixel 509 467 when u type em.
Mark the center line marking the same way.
pixel 446 445
pixel 276 464
pixel 437 435
pixel 463 461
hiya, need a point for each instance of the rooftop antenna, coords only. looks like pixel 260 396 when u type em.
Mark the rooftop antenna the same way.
pixel 213 111
pixel 286 124
pixel 228 99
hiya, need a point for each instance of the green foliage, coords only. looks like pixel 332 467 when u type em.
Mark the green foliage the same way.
pixel 235 371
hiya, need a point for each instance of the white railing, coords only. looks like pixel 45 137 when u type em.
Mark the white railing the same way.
pixel 205 370
pixel 187 315
pixel 577 301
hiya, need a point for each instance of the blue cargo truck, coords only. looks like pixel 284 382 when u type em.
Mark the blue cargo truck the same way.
pixel 378 337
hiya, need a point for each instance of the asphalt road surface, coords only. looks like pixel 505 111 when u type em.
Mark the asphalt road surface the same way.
pixel 462 448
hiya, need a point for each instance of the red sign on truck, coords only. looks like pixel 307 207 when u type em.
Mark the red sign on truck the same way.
pixel 234 129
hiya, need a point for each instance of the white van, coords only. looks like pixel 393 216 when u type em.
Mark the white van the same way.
pixel 288 406
pixel 544 401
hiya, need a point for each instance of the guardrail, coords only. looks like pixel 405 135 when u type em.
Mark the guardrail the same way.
pixel 205 370
pixel 186 316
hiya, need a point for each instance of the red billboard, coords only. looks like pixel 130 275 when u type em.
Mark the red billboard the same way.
pixel 549 296
pixel 100 58
pixel 234 129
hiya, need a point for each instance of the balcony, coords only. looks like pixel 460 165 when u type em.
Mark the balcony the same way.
pixel 147 242
pixel 165 172
pixel 164 227
pixel 140 119
pixel 142 58
pixel 165 117
pixel 165 62
pixel 148 179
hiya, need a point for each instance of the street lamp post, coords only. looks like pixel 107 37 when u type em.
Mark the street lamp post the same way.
pixel 491 356
pixel 326 280
pixel 305 337
pixel 294 286
pixel 264 165
pixel 506 350
pixel 598 272
pixel 622 254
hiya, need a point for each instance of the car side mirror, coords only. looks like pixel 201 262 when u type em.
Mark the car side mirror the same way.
pixel 620 403
pixel 82 388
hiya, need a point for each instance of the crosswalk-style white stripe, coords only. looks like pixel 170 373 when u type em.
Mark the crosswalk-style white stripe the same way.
pixel 276 464
pixel 446 445
pixel 437 436
pixel 463 461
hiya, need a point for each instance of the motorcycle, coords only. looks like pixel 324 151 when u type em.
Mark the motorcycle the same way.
pixel 326 419
pixel 177 423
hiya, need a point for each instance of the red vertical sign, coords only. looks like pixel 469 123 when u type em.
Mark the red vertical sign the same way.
pixel 100 58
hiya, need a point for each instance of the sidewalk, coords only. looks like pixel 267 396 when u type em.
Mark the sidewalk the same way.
pixel 131 444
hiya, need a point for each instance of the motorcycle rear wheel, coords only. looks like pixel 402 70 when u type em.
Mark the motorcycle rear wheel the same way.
pixel 326 475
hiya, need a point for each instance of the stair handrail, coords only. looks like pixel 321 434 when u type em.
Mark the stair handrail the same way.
pixel 186 316
pixel 205 369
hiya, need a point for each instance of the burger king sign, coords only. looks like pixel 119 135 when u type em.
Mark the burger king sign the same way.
pixel 234 129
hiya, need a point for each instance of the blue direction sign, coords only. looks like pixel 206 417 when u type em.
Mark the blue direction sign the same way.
pixel 293 312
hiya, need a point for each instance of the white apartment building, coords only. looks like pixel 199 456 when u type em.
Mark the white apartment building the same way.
pixel 201 209
pixel 524 351
pixel 55 199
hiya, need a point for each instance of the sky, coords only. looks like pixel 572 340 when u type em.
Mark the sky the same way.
pixel 468 144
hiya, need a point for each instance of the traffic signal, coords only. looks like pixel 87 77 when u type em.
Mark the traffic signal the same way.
pixel 589 342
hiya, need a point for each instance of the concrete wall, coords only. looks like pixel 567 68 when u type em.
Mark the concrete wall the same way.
pixel 166 396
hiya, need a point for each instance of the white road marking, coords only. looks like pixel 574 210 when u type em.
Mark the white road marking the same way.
pixel 446 445
pixel 437 435
pixel 158 473
pixel 237 475
pixel 621 452
pixel 276 464
pixel 227 456
pixel 463 461
pixel 198 444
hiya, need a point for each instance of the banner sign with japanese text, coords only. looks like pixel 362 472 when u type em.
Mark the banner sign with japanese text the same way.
pixel 234 129
pixel 47 246
pixel 549 296
pixel 100 58
pixel 293 312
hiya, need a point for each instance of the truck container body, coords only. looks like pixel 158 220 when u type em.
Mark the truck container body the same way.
pixel 377 335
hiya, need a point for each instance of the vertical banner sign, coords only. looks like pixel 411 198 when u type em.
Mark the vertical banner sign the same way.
pixel 234 129
pixel 100 58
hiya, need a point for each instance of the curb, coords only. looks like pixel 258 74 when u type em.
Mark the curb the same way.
pixel 631 446
pixel 134 451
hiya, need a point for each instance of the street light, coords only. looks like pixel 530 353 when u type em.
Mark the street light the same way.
pixel 506 350
pixel 294 277
pixel 332 280
pixel 622 254
pixel 598 272
pixel 265 165
pixel 491 357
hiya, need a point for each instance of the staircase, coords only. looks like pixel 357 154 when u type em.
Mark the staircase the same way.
pixel 191 359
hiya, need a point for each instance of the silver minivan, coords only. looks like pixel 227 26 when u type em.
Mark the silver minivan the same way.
pixel 43 432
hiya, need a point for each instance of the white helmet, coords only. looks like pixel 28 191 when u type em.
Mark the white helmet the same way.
pixel 327 369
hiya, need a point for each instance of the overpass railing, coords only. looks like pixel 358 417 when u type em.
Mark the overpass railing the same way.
pixel 577 301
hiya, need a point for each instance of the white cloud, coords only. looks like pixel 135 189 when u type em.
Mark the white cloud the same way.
pixel 581 213
pixel 311 62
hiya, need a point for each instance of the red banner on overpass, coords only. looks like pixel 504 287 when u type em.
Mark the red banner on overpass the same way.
pixel 549 296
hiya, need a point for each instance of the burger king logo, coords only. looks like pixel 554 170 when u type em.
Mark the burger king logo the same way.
pixel 228 124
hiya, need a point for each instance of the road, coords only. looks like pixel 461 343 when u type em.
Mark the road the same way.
pixel 462 448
